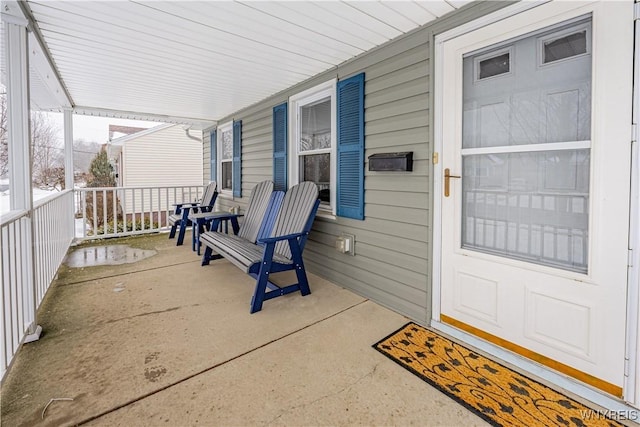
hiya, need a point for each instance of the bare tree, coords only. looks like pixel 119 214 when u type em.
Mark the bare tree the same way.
pixel 48 155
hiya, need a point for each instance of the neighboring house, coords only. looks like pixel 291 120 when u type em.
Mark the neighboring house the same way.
pixel 163 156
pixel 118 131
pixel 531 105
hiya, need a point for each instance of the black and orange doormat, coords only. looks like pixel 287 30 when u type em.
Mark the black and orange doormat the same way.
pixel 497 394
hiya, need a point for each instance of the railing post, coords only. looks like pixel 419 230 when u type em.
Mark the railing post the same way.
pixel 20 156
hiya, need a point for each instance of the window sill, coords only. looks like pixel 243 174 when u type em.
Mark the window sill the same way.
pixel 326 215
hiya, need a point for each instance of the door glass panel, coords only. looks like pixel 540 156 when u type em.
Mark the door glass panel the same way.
pixel 529 203
pixel 494 66
pixel 565 47
pixel 528 206
pixel 530 104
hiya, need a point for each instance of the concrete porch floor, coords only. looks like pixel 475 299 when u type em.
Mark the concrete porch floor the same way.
pixel 164 341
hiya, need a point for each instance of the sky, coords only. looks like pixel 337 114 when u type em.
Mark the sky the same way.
pixel 92 128
pixel 89 128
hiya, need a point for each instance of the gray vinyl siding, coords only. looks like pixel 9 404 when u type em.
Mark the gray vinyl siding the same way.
pixel 393 244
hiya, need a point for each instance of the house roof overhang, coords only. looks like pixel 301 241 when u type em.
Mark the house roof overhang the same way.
pixel 197 62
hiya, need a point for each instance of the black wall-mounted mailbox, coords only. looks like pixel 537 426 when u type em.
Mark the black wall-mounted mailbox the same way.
pixel 391 162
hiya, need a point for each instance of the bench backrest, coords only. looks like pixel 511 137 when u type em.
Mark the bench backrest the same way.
pixel 258 203
pixel 270 214
pixel 296 214
pixel 209 195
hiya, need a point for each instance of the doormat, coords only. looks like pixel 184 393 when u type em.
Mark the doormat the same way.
pixel 497 394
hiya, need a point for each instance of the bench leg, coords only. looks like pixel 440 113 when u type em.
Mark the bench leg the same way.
pixel 193 237
pixel 204 225
pixel 298 264
pixel 181 234
pixel 258 294
pixel 263 279
pixel 301 274
pixel 172 233
pixel 207 255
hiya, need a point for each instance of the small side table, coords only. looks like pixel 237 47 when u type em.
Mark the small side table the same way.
pixel 212 221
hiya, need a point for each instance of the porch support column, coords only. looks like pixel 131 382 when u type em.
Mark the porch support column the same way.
pixel 68 149
pixel 18 138
pixel 18 126
pixel 68 160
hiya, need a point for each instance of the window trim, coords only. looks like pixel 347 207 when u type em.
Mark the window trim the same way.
pixel 489 55
pixel 213 155
pixel 314 94
pixel 219 147
pixel 564 32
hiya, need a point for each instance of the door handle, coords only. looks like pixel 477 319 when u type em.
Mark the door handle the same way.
pixel 447 176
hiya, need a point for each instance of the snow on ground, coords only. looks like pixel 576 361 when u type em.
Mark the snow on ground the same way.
pixel 37 195
pixel 4 195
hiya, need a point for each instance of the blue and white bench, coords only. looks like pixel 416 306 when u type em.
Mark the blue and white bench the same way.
pixel 279 243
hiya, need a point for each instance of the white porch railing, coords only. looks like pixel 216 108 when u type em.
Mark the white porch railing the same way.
pixel 26 279
pixel 54 232
pixel 122 211
pixel 89 213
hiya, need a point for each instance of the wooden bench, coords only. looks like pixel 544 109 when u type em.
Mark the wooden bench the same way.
pixel 278 247
pixel 261 197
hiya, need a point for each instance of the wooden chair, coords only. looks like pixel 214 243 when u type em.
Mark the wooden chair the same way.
pixel 179 221
pixel 287 225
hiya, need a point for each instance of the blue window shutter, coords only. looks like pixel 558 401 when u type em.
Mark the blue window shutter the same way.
pixel 280 147
pixel 213 171
pixel 350 122
pixel 237 158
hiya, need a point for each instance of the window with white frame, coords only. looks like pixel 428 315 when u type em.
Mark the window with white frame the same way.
pixel 225 156
pixel 312 123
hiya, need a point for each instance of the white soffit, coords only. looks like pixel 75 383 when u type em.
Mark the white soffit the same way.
pixel 204 60
pixel 46 91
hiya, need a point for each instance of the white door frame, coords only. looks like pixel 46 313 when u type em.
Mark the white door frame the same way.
pixel 632 383
pixel 631 388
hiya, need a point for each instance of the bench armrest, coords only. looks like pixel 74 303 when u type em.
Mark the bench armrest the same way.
pixel 186 203
pixel 222 215
pixel 279 238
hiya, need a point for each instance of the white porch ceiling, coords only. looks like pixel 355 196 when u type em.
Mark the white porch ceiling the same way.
pixel 204 60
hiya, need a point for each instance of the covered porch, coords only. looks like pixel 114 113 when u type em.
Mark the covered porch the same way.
pixel 162 62
pixel 120 60
pixel 164 341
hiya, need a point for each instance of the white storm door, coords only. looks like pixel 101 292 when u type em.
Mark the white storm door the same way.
pixel 536 121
